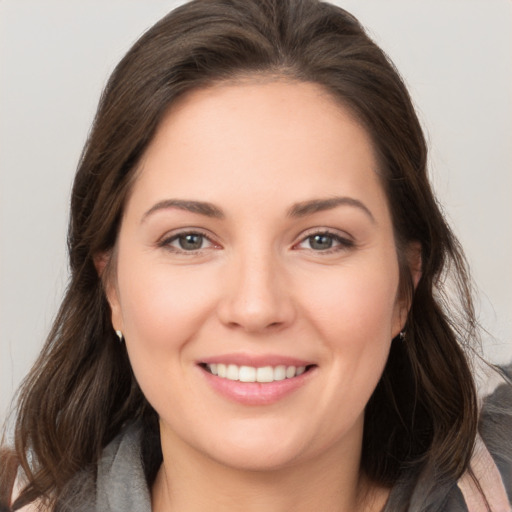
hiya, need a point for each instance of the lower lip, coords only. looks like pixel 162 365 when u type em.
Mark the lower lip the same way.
pixel 256 393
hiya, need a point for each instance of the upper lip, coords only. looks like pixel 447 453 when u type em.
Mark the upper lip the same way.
pixel 255 360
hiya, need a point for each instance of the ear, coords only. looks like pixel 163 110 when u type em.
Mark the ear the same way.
pixel 414 263
pixel 101 262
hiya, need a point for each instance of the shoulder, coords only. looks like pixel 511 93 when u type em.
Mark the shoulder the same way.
pixel 35 506
pixel 121 482
pixel 116 482
pixel 490 471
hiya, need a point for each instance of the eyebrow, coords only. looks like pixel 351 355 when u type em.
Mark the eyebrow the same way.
pixel 200 207
pixel 301 209
pixel 318 205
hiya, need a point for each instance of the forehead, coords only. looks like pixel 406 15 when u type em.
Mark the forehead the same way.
pixel 277 141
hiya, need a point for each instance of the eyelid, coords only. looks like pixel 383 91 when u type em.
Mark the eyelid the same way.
pixel 165 241
pixel 318 230
pixel 345 240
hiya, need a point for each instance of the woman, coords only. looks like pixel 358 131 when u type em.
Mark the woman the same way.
pixel 256 318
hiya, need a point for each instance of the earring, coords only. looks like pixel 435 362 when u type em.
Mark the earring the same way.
pixel 401 335
pixel 120 336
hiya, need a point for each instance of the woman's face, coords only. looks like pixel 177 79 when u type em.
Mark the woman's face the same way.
pixel 257 245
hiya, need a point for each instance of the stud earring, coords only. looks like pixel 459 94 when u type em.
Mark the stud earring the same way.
pixel 402 335
pixel 120 336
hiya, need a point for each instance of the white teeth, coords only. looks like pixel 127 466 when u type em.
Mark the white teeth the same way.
pixel 221 370
pixel 280 372
pixel 252 374
pixel 232 372
pixel 265 374
pixel 247 374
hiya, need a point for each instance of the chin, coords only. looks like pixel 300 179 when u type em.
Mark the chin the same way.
pixel 259 447
pixel 257 459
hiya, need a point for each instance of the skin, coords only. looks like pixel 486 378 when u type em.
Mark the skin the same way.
pixel 259 285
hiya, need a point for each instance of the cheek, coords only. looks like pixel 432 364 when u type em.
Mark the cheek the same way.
pixel 163 311
pixel 354 305
pixel 163 308
pixel 354 311
pixel 158 298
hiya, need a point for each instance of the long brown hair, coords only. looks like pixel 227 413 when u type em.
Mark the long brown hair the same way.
pixel 422 417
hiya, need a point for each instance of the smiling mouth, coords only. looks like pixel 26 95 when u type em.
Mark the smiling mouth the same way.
pixel 262 374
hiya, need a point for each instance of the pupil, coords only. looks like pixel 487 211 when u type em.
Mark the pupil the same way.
pixel 320 242
pixel 191 242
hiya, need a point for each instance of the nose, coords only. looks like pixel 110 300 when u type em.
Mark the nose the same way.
pixel 256 296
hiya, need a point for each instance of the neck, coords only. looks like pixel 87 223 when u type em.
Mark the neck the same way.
pixel 189 481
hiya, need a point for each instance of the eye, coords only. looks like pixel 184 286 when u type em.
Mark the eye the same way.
pixel 325 242
pixel 187 242
pixel 320 242
pixel 190 241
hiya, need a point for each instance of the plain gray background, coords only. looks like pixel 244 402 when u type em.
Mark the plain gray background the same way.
pixel 55 57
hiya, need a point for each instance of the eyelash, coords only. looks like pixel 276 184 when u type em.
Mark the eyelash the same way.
pixel 166 242
pixel 343 243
